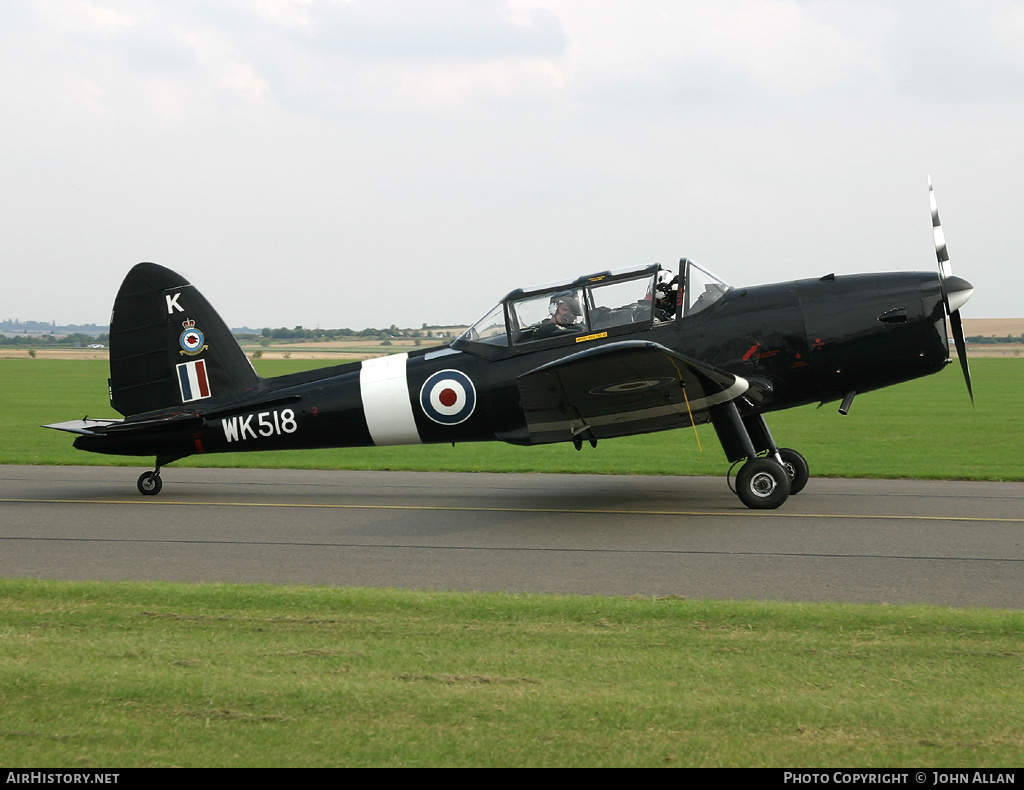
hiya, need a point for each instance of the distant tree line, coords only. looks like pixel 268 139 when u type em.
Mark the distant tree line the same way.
pixel 983 339
pixel 36 333
pixel 41 327
pixel 74 339
pixel 39 333
pixel 300 333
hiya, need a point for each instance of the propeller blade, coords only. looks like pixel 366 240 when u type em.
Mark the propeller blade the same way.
pixel 955 290
pixel 945 270
pixel 961 349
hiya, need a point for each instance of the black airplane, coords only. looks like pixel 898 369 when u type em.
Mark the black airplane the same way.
pixel 611 354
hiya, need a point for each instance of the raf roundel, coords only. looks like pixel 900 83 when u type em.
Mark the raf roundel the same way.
pixel 448 397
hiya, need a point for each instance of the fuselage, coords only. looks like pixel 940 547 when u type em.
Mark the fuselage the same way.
pixel 802 342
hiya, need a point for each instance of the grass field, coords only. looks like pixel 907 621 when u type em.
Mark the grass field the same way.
pixel 921 429
pixel 122 675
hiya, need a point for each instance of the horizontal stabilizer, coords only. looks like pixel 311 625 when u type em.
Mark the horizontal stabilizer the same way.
pixel 620 389
pixel 84 427
pixel 89 427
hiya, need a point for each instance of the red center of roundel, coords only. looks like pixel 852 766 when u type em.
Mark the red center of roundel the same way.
pixel 448 397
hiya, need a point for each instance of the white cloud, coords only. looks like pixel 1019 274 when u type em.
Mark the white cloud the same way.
pixel 702 51
pixel 463 148
pixel 75 16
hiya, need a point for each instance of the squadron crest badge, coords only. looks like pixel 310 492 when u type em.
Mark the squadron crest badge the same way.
pixel 191 340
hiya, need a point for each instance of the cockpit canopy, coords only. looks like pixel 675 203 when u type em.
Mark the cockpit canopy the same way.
pixel 591 307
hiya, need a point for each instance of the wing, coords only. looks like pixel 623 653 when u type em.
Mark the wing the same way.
pixel 619 389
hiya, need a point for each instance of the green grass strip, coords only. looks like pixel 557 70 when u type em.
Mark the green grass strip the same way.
pixel 920 429
pixel 99 675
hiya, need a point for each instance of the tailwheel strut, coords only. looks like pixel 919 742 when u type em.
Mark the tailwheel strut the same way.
pixel 149 483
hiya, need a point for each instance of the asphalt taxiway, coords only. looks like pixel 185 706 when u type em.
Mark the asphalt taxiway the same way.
pixel 947 543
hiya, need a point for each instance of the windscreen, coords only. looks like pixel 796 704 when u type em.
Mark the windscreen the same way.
pixel 703 288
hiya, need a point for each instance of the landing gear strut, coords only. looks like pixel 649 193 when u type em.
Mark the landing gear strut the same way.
pixel 796 466
pixel 770 474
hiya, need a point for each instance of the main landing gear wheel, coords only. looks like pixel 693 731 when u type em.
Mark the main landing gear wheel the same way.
pixel 150 483
pixel 762 484
pixel 796 465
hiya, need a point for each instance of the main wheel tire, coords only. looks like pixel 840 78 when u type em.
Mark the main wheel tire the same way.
pixel 796 465
pixel 150 483
pixel 762 484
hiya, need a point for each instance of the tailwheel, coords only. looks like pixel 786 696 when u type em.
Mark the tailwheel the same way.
pixel 796 466
pixel 150 483
pixel 762 484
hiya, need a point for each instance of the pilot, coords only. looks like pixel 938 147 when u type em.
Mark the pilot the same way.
pixel 668 299
pixel 565 313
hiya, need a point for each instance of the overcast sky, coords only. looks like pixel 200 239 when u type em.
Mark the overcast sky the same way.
pixel 367 162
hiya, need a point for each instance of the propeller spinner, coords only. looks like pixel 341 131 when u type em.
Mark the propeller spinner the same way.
pixel 955 290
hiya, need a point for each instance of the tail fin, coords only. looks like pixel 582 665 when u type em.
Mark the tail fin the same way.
pixel 168 346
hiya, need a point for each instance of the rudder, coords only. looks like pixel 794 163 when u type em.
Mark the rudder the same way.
pixel 168 346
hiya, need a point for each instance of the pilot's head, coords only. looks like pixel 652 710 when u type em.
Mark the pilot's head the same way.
pixel 565 309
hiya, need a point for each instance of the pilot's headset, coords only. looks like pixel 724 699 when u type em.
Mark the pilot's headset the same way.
pixel 566 298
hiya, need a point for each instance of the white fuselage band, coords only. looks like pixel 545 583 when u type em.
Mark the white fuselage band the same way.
pixel 386 405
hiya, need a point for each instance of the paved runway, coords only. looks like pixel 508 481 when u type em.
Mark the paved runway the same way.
pixel 947 543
